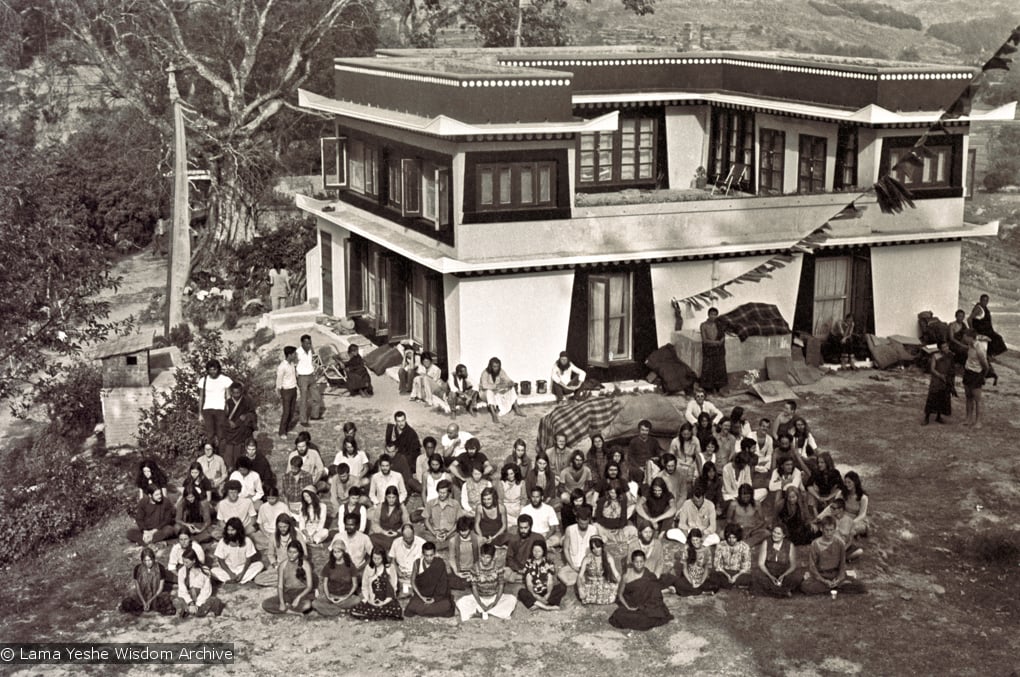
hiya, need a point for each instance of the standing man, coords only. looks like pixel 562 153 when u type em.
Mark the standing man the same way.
pixel 305 369
pixel 212 400
pixel 241 422
pixel 713 353
pixel 287 386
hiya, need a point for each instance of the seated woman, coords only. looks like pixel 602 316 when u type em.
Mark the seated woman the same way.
pixel 543 477
pixel 732 560
pixel 149 588
pixel 856 502
pixel 738 424
pixel 295 584
pixel 685 446
pixel 519 457
pixel 511 492
pixel 487 597
pixel 739 472
pixel 710 483
pixel 825 483
pixel 640 598
pixel 194 515
pixel 612 474
pixel 235 555
pixel 657 507
pixel 471 492
pixel 490 519
pixel 150 477
pixel 745 513
pixel 213 468
pixel 275 556
pixel 312 519
pixel 356 460
pixel 541 587
pixel 792 512
pixel 704 429
pixel 611 516
pixel 339 583
pixel 776 574
pixel 827 565
pixel 785 475
pixel 197 481
pixel 430 586
pixel 691 568
pixel 463 546
pixel 378 596
pixel 598 580
pixel 803 441
pixel 386 520
pixel 428 385
pixel 194 589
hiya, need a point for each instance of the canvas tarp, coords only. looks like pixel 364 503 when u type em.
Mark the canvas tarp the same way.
pixel 614 417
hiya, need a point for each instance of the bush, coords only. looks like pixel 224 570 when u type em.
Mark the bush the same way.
pixel 230 319
pixel 72 402
pixel 171 427
pixel 286 245
pixel 180 336
pixel 61 501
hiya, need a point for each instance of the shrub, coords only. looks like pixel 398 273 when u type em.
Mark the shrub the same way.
pixel 72 401
pixel 180 336
pixel 62 500
pixel 286 245
pixel 230 319
pixel 172 427
pixel 197 314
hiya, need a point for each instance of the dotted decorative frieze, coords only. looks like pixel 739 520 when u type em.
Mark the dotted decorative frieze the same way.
pixel 762 65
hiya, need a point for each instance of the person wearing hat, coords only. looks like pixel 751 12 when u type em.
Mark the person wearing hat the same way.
pixel 567 380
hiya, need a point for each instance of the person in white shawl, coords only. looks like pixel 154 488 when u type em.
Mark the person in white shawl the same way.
pixel 498 391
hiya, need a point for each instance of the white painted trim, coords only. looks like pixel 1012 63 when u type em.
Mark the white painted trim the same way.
pixel 443 125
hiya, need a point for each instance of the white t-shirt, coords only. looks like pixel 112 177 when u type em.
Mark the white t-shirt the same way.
pixel 305 362
pixel 235 556
pixel 356 463
pixel 177 555
pixel 543 518
pixel 215 391
pixel 454 447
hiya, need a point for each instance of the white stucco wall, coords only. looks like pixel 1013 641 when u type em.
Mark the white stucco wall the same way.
pixel 339 237
pixel 686 141
pixel 910 278
pixel 313 277
pixel 686 278
pixel 522 319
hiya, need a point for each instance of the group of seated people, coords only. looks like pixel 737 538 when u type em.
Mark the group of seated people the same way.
pixel 421 379
pixel 600 521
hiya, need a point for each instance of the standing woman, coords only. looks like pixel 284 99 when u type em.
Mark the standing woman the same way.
pixel 974 371
pixel 776 575
pixel 295 585
pixel 408 371
pixel 279 285
pixel 940 388
pixel 599 579
pixel 378 597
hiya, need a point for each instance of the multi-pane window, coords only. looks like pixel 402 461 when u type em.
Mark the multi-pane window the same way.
pixel 770 170
pixel 846 158
pixel 811 169
pixel 333 151
pixel 363 167
pixel 931 169
pixel 515 185
pixel 609 318
pixel 731 149
pixel 624 156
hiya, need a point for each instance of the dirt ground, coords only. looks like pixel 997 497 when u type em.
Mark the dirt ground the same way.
pixel 938 602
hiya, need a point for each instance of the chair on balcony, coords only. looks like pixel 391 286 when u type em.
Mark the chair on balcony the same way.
pixel 737 173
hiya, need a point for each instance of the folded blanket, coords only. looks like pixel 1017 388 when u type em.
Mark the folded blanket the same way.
pixel 754 319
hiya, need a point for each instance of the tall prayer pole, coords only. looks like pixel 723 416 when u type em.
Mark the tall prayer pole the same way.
pixel 180 231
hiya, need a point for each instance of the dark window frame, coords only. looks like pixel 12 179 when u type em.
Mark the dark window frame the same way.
pixel 771 161
pixel 629 124
pixel 731 141
pixel 813 179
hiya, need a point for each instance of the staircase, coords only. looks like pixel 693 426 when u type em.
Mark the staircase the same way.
pixel 290 318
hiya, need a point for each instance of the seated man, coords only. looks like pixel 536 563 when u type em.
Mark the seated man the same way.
pixel 646 542
pixel 462 392
pixel 566 380
pixel 358 544
pixel 293 482
pixel 698 405
pixel 311 461
pixel 453 442
pixel 575 545
pixel 184 544
pixel 234 506
pixel 251 482
pixel 430 585
pixel 155 520
pixel 642 449
pixel 471 458
pixel 519 549
pixel 543 518
pixel 404 552
pixel 696 512
pixel 383 479
pixel 441 514
pixel 359 381
pixel 827 565
pixel 498 391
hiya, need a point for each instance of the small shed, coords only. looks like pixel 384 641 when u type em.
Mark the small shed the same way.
pixel 126 361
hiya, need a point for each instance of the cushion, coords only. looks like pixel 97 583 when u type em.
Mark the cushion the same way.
pixel 382 358
pixel 675 375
